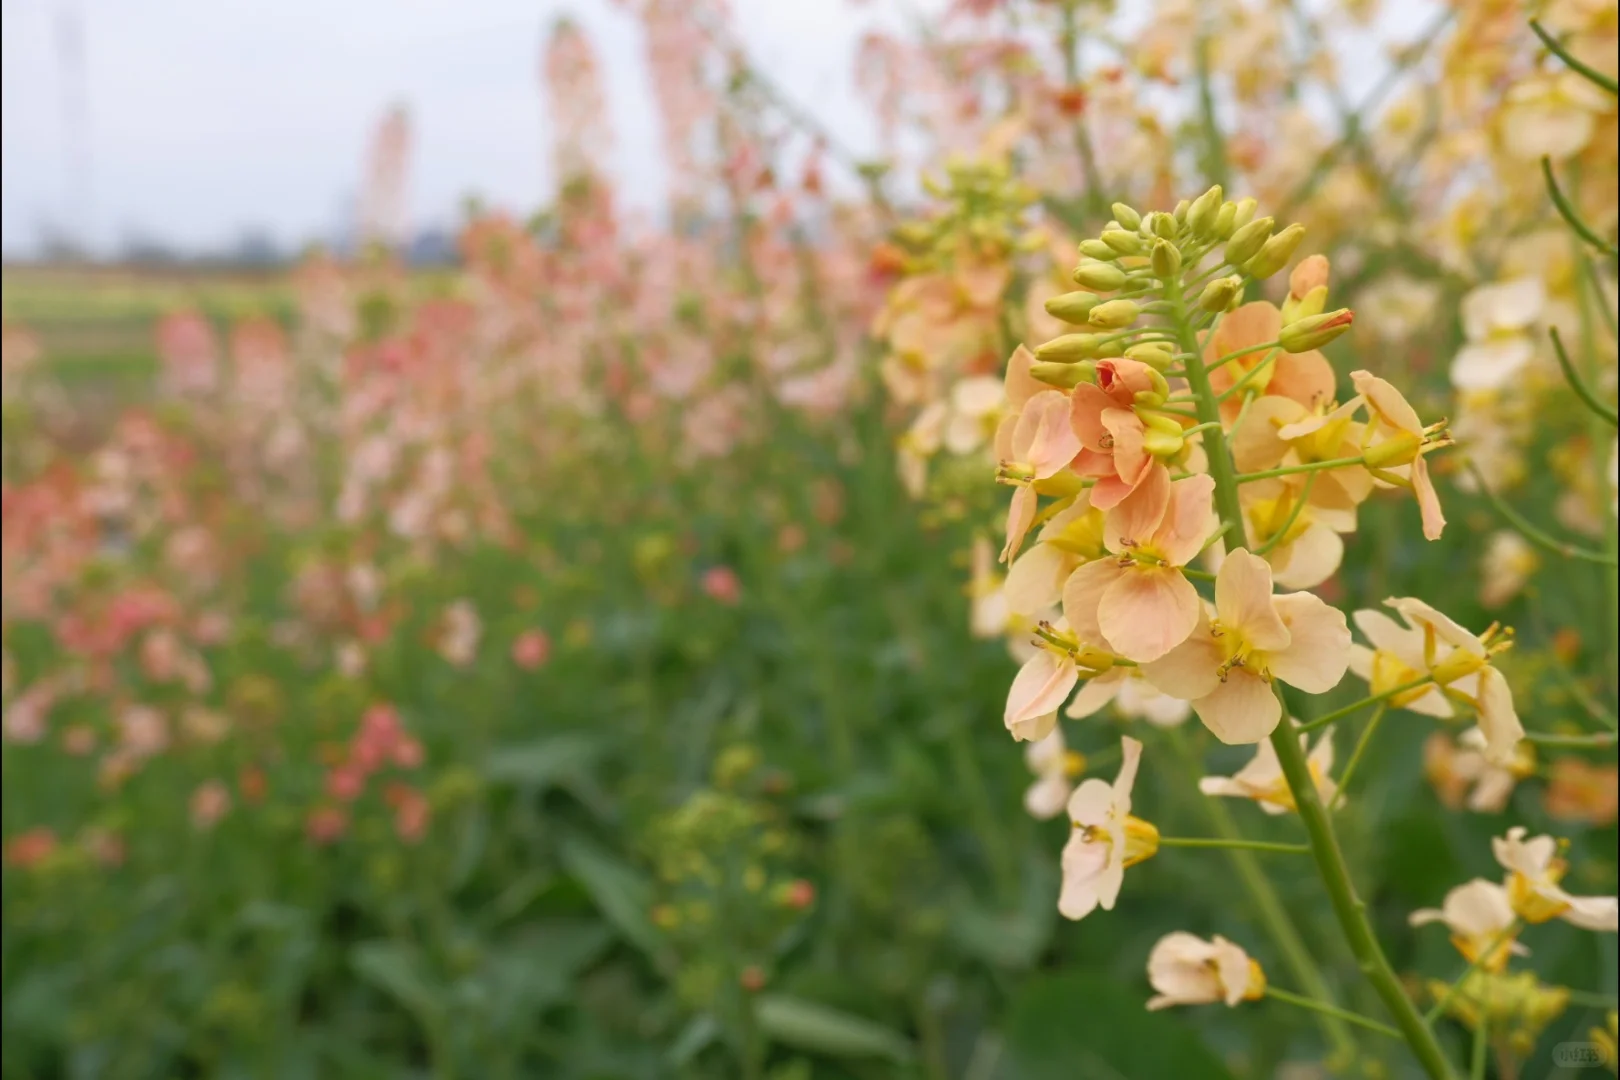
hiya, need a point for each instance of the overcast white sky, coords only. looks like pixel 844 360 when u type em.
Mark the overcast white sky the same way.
pixel 203 118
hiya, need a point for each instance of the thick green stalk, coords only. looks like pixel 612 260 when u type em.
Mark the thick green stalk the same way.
pixel 1268 907
pixel 1347 907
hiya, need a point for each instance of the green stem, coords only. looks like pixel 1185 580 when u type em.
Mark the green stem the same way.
pixel 1533 533
pixel 1571 218
pixel 1482 1045
pixel 1439 1007
pixel 1356 755
pixel 1577 384
pixel 1293 516
pixel 1595 741
pixel 1243 845
pixel 1556 47
pixel 1295 470
pixel 1372 699
pixel 1248 377
pixel 1331 1010
pixel 1269 908
pixel 1589 999
pixel 1348 908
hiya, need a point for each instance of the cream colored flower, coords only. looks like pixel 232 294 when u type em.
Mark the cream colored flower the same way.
pixel 1508 562
pixel 1498 320
pixel 1463 775
pixel 1262 778
pixel 1479 916
pixel 1535 869
pixel 1104 841
pixel 1551 115
pixel 1225 667
pixel 1187 970
pixel 1456 660
pixel 1055 766
pixel 1133 697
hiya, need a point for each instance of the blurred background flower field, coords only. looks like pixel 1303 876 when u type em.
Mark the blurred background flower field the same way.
pixel 579 654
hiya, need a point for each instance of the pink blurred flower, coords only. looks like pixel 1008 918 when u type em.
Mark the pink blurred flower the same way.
pixel 721 583
pixel 531 649
pixel 209 803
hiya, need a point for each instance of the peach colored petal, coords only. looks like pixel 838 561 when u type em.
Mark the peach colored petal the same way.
pixel 1189 520
pixel 1305 377
pixel 1041 686
pixel 1018 384
pixel 1020 516
pixel 1498 720
pixel 1252 324
pixel 1307 560
pixel 1259 442
pixel 1127 432
pixel 1004 437
pixel 1083 593
pixel 1147 611
pixel 1434 518
pixel 1243 599
pixel 1133 522
pixel 1035 579
pixel 1122 379
pixel 1191 670
pixel 1241 710
pixel 1087 408
pixel 1110 491
pixel 1044 438
pixel 1310 273
pixel 1095 693
pixel 1318 649
pixel 1386 402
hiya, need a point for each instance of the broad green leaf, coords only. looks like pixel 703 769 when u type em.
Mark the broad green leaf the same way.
pixel 1084 1027
pixel 396 968
pixel 622 894
pixel 543 762
pixel 806 1025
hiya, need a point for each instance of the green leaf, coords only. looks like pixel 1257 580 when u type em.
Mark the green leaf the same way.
pixel 622 894
pixel 806 1025
pixel 1084 1027
pixel 397 969
pixel 543 762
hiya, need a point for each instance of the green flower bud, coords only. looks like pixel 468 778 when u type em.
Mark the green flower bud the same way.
pixel 1166 260
pixel 1163 225
pixel 1126 243
pixel 1221 294
pixel 1155 354
pixel 1245 212
pixel 1096 249
pixel 1114 315
pixel 1181 211
pixel 1067 349
pixel 1126 216
pixel 1201 214
pixel 1099 277
pixel 1276 252
pixel 1226 221
pixel 1072 307
pixel 1315 331
pixel 1063 376
pixel 1247 241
